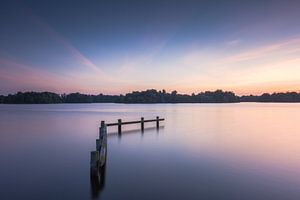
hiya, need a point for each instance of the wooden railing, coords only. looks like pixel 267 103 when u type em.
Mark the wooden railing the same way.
pixel 142 122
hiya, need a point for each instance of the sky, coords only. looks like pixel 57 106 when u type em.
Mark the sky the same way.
pixel 115 47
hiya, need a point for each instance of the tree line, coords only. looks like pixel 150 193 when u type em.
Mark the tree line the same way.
pixel 148 96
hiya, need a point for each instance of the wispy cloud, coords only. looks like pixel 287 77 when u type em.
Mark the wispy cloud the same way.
pixel 64 42
pixel 256 53
pixel 233 43
pixel 20 77
pixel 132 63
pixel 216 68
pixel 15 76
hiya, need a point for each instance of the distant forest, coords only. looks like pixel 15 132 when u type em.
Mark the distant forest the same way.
pixel 148 96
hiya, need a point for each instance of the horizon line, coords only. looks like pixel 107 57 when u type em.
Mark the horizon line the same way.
pixel 161 90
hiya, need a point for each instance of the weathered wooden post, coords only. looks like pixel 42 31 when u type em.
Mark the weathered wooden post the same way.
pixel 98 157
pixel 101 129
pixel 98 145
pixel 102 123
pixel 94 164
pixel 157 122
pixel 142 123
pixel 119 126
pixel 102 146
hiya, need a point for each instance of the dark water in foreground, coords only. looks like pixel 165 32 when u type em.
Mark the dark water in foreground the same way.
pixel 204 151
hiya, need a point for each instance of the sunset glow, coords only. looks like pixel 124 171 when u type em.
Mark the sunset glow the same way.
pixel 254 49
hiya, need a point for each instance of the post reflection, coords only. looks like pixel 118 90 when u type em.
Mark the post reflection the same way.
pixel 97 181
pixel 98 175
pixel 135 131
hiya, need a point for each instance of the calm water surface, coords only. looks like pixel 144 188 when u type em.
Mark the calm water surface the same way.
pixel 203 151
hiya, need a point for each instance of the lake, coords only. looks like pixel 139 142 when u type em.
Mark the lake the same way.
pixel 202 151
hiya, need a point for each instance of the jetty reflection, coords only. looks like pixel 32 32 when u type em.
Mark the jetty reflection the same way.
pixel 134 131
pixel 98 182
pixel 97 177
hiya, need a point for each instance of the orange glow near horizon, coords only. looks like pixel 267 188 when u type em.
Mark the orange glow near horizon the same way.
pixel 269 68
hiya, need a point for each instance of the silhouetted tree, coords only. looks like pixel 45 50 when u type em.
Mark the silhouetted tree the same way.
pixel 33 98
pixel 275 97
pixel 2 99
pixel 148 96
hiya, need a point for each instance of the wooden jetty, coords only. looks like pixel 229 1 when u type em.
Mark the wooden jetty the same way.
pixel 142 122
pixel 98 157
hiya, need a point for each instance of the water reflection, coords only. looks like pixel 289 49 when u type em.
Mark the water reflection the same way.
pixel 134 131
pixel 228 151
pixel 97 182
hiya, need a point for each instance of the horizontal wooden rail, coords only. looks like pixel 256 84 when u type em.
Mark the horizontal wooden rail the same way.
pixel 142 121
pixel 134 122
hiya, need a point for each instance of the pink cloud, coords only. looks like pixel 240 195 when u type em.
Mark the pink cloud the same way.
pixel 19 76
pixel 265 50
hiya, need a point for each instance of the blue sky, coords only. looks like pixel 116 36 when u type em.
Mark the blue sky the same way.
pixel 118 46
